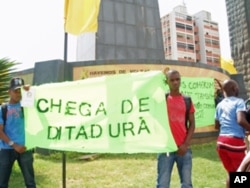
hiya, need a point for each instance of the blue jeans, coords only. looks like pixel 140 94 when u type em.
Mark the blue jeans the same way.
pixel 165 166
pixel 25 162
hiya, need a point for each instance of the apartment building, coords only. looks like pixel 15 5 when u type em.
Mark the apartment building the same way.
pixel 191 38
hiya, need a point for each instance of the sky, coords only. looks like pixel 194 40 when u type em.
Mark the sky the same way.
pixel 33 30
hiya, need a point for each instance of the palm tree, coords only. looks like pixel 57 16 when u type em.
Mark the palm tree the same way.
pixel 6 68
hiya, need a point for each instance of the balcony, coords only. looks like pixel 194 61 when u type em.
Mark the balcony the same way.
pixel 197 47
pixel 184 21
pixel 196 37
pixel 184 30
pixel 198 57
pixel 196 29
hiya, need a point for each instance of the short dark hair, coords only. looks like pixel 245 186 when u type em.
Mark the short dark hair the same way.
pixel 171 71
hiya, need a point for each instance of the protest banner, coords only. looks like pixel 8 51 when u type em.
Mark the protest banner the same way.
pixel 124 113
pixel 202 92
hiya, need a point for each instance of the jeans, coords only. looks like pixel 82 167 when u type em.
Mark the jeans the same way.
pixel 25 162
pixel 165 166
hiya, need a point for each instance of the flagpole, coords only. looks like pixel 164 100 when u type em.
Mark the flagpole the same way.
pixel 65 46
pixel 74 28
pixel 65 77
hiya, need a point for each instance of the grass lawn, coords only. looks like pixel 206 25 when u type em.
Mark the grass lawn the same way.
pixel 120 170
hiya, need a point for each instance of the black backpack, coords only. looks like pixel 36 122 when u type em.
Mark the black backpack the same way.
pixel 188 102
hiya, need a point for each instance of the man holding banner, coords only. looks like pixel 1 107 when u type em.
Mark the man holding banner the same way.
pixel 12 138
pixel 182 134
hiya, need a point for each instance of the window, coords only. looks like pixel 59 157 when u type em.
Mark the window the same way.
pixel 214 42
pixel 189 18
pixel 181 45
pixel 189 27
pixel 180 25
pixel 190 47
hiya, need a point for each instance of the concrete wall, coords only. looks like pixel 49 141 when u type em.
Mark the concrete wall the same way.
pixel 127 29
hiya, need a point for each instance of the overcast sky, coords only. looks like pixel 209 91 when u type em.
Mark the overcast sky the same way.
pixel 32 30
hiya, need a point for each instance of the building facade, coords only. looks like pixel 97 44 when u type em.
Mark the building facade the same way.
pixel 238 13
pixel 191 38
pixel 127 29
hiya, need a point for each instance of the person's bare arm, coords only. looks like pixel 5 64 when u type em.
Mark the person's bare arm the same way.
pixel 183 148
pixel 191 128
pixel 218 82
pixel 241 119
pixel 3 136
pixel 217 125
pixel 244 164
pixel 6 139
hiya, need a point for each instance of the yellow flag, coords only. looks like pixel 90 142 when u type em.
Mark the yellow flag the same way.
pixel 81 16
pixel 228 65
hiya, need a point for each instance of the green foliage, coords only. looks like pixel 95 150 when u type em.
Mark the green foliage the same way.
pixel 6 67
pixel 120 170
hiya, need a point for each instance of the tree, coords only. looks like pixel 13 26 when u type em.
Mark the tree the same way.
pixel 6 68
